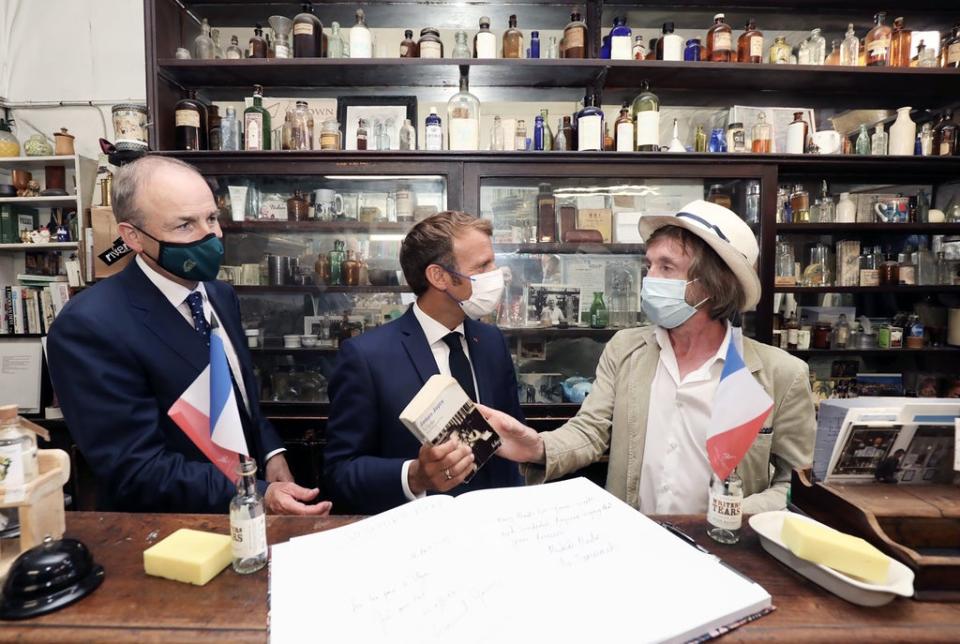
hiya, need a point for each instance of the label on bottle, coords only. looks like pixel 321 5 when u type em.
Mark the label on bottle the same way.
pixel 672 47
pixel 249 536
pixel 648 128
pixel 464 134
pixel 793 336
pixel 187 118
pixel 878 48
pixel 233 54
pixel 725 511
pixel 621 48
pixel 756 46
pixel 486 45
pixel 253 131
pixel 433 137
pixel 360 44
pixel 573 37
pixel 945 150
pixel 303 29
pixel 722 41
pixel 429 49
pixel 796 137
pixel 12 472
pixel 907 275
pixel 625 137
pixel 953 54
pixel 589 133
pixel 869 277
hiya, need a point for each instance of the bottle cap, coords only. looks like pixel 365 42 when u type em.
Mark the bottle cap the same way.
pixel 719 16
pixel 668 27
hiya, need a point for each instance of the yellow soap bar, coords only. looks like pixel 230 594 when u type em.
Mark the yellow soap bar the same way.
pixel 190 556
pixel 828 547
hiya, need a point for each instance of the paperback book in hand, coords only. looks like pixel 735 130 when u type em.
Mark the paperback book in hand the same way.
pixel 442 409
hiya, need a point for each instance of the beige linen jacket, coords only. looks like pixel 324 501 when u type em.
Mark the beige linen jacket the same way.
pixel 614 416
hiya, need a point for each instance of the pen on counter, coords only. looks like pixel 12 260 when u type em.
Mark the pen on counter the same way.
pixel 680 534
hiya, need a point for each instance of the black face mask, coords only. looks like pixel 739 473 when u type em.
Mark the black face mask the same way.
pixel 197 261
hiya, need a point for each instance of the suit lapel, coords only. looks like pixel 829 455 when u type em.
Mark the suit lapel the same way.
pixel 415 344
pixel 163 320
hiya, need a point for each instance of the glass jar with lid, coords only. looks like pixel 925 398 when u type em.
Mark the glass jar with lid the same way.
pixel 330 135
pixel 18 450
pixel 430 45
pixel 9 145
pixel 719 196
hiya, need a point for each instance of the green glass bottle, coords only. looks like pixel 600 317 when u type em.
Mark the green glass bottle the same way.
pixel 256 123
pixel 337 257
pixel 863 140
pixel 599 316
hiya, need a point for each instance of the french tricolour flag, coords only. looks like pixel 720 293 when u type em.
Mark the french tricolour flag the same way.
pixel 739 408
pixel 207 412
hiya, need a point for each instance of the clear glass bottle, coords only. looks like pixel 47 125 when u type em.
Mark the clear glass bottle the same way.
pixel 296 128
pixel 719 41
pixel 833 58
pixel 382 133
pixel 217 47
pixel 463 119
pixel 926 56
pixel 408 136
pixel 337 257
pixel 670 44
pixel 725 508
pixel 248 521
pixel 361 41
pixel 878 143
pixel 281 26
pixel 330 135
pixel 818 47
pixel 335 42
pixel 590 126
pixel 841 332
pixel 460 49
pixel 780 51
pixel 878 42
pixel 485 41
pixel 900 44
pixel 863 140
pixel 520 136
pixel 646 116
pixel 640 50
pixel 750 44
pixel 803 52
pixel 433 131
pixel 574 43
pixel 926 139
pixel 827 208
pixel 230 130
pixel 430 45
pixel 18 451
pixel 497 140
pixel 800 204
pixel 308 40
pixel 623 131
pixel 233 51
pixel 850 48
pixel 785 264
pixel 752 211
pixel 256 123
pixel 408 46
pixel 761 135
pixel 512 39
pixel 257 47
pixel 599 316
pixel 203 46
pixel 621 40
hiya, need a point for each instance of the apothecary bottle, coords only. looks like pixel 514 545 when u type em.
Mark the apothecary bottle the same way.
pixel 533 51
pixel 797 134
pixel 780 51
pixel 460 48
pixel 863 140
pixel 621 40
pixel 669 45
pixel 463 119
pixel 623 131
pixel 833 58
pixel 256 123
pixel 217 47
pixel 750 44
pixel 335 42
pixel 878 143
pixel 520 136
pixel 900 44
pixel 485 41
pixel 257 46
pixel 18 451
pixel 230 130
pixel 546 214
pixel 337 257
pixel 761 135
pixel 692 51
pixel 433 131
pixel 719 41
pixel 408 136
pixel 945 135
pixel 878 42
pixel 646 115
pixel 817 45
pixel 574 44
pixel 189 128
pixel 307 34
pixel 330 135
pixel 512 40
pixel 640 50
pixel 599 315
pixel 233 51
pixel 850 48
pixel 361 41
pixel 590 125
pixel 363 138
pixel 430 45
pixel 408 46
pixel 203 48
pixel 497 138
pixel 248 521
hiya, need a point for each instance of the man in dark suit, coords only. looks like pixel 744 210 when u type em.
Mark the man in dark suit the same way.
pixel 124 350
pixel 372 462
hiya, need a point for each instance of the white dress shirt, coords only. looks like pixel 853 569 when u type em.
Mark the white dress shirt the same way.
pixel 435 333
pixel 675 475
pixel 177 294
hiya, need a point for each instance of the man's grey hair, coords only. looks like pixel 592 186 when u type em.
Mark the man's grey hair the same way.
pixel 129 181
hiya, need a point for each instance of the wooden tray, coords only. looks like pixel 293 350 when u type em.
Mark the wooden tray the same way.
pixel 918 525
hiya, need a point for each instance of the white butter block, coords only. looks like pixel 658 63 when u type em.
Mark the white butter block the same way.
pixel 828 547
pixel 190 556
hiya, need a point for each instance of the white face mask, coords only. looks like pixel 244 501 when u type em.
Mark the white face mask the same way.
pixel 664 301
pixel 487 291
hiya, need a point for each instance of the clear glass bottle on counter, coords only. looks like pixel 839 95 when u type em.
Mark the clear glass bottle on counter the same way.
pixel 463 119
pixel 281 26
pixel 750 44
pixel 497 139
pixel 827 208
pixel 512 39
pixel 203 47
pixel 296 131
pixel 725 508
pixel 248 521
pixel 850 48
pixel 485 41
pixel 786 267
pixel 719 41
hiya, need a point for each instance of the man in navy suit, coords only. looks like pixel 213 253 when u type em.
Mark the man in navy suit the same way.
pixel 372 461
pixel 124 350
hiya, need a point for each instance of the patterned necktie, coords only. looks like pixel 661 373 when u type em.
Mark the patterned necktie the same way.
pixel 459 365
pixel 195 302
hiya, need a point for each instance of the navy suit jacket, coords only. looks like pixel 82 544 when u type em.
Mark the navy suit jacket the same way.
pixel 120 355
pixel 377 374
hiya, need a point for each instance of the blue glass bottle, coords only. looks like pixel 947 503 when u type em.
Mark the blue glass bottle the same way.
pixel 605 47
pixel 692 50
pixel 621 40
pixel 718 142
pixel 538 133
pixel 590 126
pixel 534 45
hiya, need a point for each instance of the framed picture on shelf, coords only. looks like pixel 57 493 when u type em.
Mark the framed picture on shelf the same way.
pixel 389 111
pixel 533 349
pixel 551 305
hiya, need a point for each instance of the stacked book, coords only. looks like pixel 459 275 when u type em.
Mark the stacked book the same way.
pixel 30 307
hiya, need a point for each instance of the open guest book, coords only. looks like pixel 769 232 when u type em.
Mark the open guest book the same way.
pixel 561 562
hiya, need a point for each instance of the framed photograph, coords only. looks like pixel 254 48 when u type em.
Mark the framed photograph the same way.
pixel 388 111
pixel 865 449
pixel 533 349
pixel 551 305
pixel 541 388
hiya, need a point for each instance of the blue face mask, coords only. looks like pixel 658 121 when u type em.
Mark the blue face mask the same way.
pixel 664 301
pixel 197 261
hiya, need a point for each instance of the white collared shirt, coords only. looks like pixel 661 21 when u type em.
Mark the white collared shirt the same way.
pixel 675 474
pixel 435 332
pixel 177 294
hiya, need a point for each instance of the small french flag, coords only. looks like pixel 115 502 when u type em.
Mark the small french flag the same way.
pixel 207 412
pixel 740 406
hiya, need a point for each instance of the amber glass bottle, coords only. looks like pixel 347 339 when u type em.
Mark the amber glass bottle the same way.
pixel 900 45
pixel 750 44
pixel 719 41
pixel 878 43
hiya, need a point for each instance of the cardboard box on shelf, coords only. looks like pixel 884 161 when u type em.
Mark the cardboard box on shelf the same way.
pixel 110 254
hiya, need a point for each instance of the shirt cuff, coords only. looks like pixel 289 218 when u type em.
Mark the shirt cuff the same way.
pixel 406 486
pixel 273 453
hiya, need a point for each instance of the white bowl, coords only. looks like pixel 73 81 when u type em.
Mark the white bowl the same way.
pixel 768 526
pixel 308 340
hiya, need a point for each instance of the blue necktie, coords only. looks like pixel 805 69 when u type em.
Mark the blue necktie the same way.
pixel 195 302
pixel 459 365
